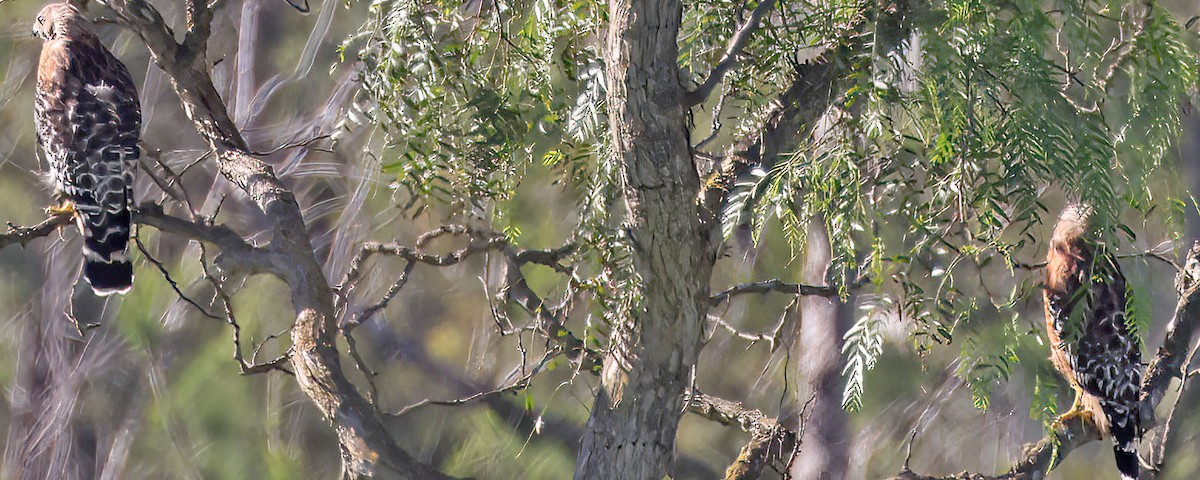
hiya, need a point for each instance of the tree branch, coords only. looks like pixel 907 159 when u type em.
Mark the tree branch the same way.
pixel 770 442
pixel 774 285
pixel 729 60
pixel 549 323
pixel 366 447
pixel 24 235
pixel 519 384
pixel 237 255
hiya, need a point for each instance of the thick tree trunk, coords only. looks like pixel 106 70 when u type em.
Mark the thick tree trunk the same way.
pixel 631 433
pixel 823 455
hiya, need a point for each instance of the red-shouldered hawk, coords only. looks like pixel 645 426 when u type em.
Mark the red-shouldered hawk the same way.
pixel 89 122
pixel 1092 343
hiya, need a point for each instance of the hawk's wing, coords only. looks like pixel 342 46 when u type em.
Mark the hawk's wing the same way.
pixel 89 123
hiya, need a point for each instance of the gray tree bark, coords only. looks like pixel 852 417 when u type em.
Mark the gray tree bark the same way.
pixel 824 441
pixel 631 432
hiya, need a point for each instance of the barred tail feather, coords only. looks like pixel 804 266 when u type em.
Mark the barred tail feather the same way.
pixel 1127 462
pixel 1124 433
pixel 108 278
pixel 106 266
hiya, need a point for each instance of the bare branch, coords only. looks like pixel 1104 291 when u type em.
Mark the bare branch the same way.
pixel 519 384
pixel 299 8
pixel 1169 362
pixel 775 285
pixel 361 364
pixel 23 235
pixel 414 255
pixel 729 60
pixel 292 145
pixel 162 269
pixel 772 338
pixel 236 254
pixel 549 324
pixel 387 297
pixel 548 258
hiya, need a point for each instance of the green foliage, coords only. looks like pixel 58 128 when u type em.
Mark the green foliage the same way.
pixel 937 159
pixel 1043 404
pixel 984 362
pixel 864 344
pixel 471 95
pixel 952 136
pixel 468 93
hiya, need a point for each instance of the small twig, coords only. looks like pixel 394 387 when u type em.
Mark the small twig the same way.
pixel 301 9
pixel 912 438
pixel 290 145
pixel 387 297
pixel 195 162
pixel 520 384
pixel 548 322
pixel 273 336
pixel 163 184
pixel 414 254
pixel 246 368
pixel 361 364
pixel 751 337
pixel 170 281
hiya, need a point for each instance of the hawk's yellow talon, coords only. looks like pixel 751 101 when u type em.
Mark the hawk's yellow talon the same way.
pixel 65 208
pixel 1076 410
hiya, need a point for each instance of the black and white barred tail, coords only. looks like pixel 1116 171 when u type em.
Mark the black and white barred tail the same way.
pixel 106 265
pixel 1123 424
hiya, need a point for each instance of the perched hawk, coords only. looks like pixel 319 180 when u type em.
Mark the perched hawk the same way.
pixel 88 121
pixel 1091 342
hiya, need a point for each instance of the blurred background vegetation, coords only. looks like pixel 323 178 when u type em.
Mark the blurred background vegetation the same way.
pixel 953 143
